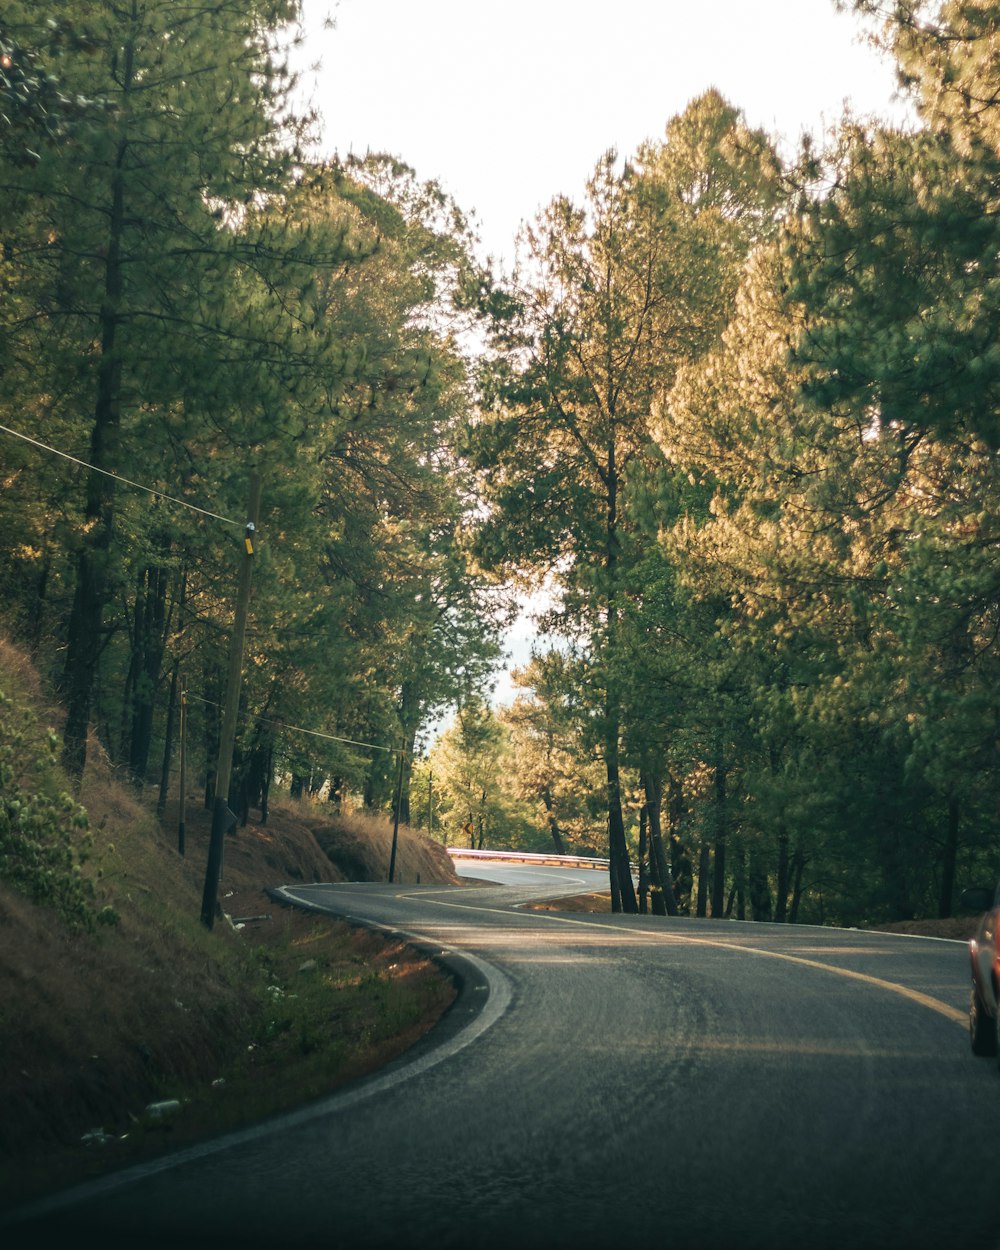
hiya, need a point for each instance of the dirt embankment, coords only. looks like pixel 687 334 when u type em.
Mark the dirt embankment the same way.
pixel 273 1007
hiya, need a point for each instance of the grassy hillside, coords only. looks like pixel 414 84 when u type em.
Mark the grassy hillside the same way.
pixel 114 997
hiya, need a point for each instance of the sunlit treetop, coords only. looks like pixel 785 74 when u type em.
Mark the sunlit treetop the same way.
pixel 948 54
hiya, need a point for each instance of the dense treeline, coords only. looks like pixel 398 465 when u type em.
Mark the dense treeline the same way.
pixel 737 414
pixel 187 299
pixel 744 419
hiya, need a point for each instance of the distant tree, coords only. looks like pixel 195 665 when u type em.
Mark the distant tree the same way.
pixel 469 767
pixel 616 294
pixel 551 768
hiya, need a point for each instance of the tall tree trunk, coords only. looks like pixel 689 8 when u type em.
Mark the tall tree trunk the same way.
pixel 258 779
pixel 655 887
pixel 739 882
pixel 254 773
pixel 721 834
pixel 552 822
pixel 621 867
pixel 622 890
pixel 781 894
pixel 84 641
pixel 149 644
pixel 643 865
pixel 949 858
pixel 615 883
pixel 664 901
pixel 781 899
pixel 681 868
pixel 704 869
pixel 404 792
pixel 410 712
pixel 798 864
pixel 168 741
pixel 119 746
pixel 482 824
pixel 681 876
pixel 760 891
pixel 172 708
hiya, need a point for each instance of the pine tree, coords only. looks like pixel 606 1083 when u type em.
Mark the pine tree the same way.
pixel 125 249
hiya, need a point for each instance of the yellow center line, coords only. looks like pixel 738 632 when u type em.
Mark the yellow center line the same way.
pixel 892 987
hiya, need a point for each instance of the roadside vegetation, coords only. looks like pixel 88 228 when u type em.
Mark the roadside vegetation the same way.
pixel 114 997
pixel 730 422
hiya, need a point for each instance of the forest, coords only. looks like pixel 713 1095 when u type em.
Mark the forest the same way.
pixel 730 419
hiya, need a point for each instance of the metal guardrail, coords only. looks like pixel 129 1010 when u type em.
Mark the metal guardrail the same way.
pixel 530 857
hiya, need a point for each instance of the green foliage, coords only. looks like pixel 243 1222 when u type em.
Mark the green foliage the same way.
pixel 553 770
pixel 475 803
pixel 947 58
pixel 845 431
pixel 186 298
pixel 34 106
pixel 893 265
pixel 747 439
pixel 43 830
pixel 618 294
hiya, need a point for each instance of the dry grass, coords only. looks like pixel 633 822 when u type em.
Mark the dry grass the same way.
pixel 959 928
pixel 286 1011
pixel 95 1026
pixel 20 673
pixel 360 846
pixel 593 903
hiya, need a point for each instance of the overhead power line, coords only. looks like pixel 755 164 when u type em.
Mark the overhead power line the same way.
pixel 315 733
pixel 150 490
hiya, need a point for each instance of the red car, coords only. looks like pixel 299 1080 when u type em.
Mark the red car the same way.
pixel 984 949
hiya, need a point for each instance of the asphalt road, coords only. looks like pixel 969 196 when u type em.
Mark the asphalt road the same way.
pixel 612 1081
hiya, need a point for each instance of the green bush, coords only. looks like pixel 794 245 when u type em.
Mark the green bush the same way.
pixel 44 834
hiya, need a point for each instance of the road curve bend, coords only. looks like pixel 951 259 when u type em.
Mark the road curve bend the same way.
pixel 626 1080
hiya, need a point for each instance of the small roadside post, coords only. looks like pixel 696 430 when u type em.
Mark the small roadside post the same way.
pixel 223 819
pixel 181 811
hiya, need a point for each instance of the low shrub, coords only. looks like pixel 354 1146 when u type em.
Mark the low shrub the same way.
pixel 44 834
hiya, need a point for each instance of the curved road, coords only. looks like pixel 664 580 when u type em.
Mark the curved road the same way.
pixel 611 1080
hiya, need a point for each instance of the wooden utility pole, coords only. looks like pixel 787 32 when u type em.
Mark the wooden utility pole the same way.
pixel 395 819
pixel 182 805
pixel 223 819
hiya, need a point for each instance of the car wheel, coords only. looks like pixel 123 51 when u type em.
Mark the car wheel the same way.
pixel 984 1033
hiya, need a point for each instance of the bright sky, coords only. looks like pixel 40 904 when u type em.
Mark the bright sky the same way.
pixel 510 102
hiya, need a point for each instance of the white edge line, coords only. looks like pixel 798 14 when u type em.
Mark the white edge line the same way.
pixel 497 1002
